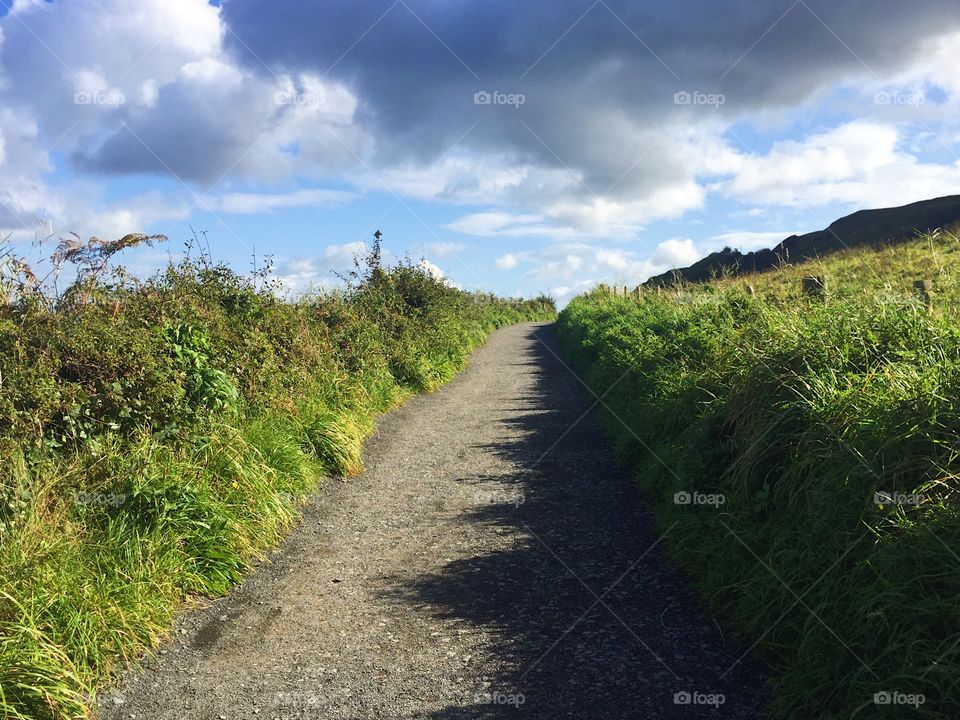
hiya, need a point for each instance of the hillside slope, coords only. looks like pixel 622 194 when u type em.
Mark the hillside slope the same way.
pixel 862 228
pixel 801 457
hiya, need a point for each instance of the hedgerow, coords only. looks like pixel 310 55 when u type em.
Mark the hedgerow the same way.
pixel 158 436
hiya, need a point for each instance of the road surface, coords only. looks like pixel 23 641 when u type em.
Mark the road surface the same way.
pixel 492 561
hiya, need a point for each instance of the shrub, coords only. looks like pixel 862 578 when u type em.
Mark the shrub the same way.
pixel 156 436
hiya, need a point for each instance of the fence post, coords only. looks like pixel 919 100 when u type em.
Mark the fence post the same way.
pixel 814 286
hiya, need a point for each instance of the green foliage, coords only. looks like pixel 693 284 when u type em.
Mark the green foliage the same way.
pixel 37 679
pixel 808 416
pixel 15 492
pixel 206 387
pixel 158 436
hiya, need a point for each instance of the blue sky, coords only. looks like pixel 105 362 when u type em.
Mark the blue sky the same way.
pixel 518 148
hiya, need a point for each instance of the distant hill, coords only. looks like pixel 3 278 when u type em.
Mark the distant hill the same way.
pixel 862 228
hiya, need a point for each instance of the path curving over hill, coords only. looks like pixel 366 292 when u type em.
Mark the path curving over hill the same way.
pixel 492 561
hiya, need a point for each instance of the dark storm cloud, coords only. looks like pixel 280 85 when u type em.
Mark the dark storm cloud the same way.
pixel 599 80
pixel 190 147
pixel 596 76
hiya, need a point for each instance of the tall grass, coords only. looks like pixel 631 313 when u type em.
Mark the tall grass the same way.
pixel 831 428
pixel 157 437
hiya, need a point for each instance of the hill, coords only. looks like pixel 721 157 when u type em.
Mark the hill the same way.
pixel 863 228
pixel 799 454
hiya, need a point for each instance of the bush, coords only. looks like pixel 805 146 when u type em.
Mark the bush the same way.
pixel 157 436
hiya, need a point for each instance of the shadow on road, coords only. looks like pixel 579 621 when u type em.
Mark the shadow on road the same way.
pixel 593 621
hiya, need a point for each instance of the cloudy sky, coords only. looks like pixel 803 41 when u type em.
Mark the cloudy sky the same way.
pixel 521 147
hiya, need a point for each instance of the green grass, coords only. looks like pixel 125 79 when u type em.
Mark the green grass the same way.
pixel 798 411
pixel 158 437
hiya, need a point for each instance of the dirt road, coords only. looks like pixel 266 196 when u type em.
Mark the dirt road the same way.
pixel 492 561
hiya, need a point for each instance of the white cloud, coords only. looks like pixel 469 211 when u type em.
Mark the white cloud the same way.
pixel 342 256
pixel 152 88
pixel 443 249
pixel 464 178
pixel 507 262
pixel 255 203
pixel 676 253
pixel 436 273
pixel 849 151
pixel 502 224
pixel 302 275
pixel 563 293
pixel 859 163
pixel 305 274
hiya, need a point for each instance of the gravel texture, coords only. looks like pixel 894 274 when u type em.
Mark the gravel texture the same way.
pixel 492 561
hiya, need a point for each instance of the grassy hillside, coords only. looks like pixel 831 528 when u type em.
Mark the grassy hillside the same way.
pixel 830 428
pixel 865 228
pixel 156 437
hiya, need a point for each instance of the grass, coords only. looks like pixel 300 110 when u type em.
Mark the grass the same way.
pixel 831 427
pixel 158 437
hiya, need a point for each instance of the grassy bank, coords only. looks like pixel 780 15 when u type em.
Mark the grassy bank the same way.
pixel 802 455
pixel 157 437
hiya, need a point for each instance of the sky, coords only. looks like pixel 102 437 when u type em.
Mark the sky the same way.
pixel 515 147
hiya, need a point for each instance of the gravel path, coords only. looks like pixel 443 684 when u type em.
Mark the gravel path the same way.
pixel 492 561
